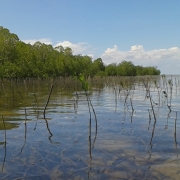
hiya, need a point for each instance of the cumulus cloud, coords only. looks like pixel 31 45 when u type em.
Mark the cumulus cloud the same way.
pixel 167 60
pixel 43 40
pixel 79 48
pixel 136 48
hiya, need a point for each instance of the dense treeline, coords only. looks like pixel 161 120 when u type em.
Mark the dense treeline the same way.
pixel 18 59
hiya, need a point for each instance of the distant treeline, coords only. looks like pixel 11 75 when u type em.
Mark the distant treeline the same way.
pixel 20 60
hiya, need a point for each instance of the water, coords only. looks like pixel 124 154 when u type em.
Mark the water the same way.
pixel 128 142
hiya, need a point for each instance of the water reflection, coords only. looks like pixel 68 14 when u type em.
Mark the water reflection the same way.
pixel 5 142
pixel 9 125
pixel 175 134
pixel 4 160
pixel 81 136
pixel 25 132
pixel 50 133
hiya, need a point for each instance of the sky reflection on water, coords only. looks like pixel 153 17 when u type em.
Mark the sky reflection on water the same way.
pixel 126 144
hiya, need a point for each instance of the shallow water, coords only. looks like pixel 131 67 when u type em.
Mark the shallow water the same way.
pixel 125 144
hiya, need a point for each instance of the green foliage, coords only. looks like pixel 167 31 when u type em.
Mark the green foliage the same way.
pixel 20 60
pixel 126 68
pixel 111 70
pixel 84 82
pixel 98 67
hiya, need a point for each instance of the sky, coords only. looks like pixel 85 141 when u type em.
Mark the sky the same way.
pixel 144 32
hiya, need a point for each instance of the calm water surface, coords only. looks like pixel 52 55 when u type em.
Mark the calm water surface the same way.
pixel 132 139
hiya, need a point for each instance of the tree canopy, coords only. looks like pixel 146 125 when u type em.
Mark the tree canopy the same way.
pixel 18 59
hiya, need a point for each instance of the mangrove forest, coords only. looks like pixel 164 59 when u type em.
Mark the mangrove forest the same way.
pixel 21 60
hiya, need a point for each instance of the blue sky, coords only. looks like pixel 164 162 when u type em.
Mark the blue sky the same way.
pixel 144 32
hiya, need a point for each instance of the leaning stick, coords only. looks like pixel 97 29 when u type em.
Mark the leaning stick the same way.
pixel 4 131
pixel 48 100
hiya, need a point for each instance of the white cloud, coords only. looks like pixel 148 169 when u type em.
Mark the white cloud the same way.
pixel 167 60
pixel 43 40
pixel 111 50
pixel 79 48
pixel 136 48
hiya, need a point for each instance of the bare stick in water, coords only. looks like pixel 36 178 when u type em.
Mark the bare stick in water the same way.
pixel 48 101
pixel 4 131
pixel 175 139
pixel 50 133
pixel 25 131
pixel 4 144
pixel 132 105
